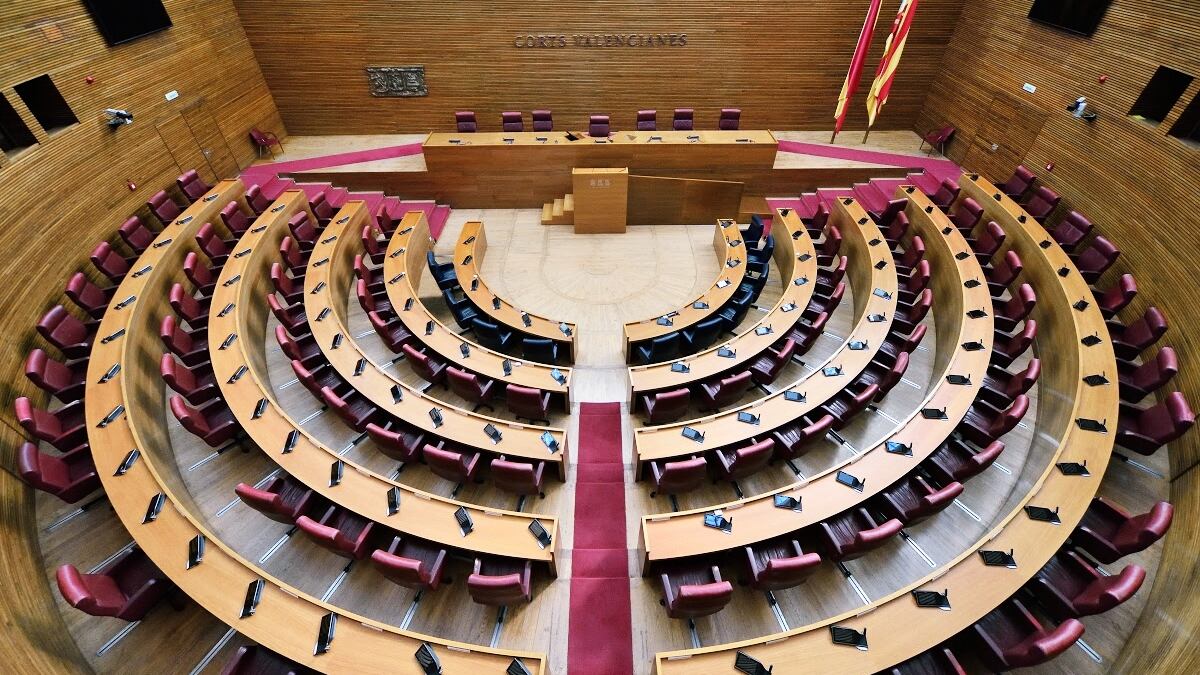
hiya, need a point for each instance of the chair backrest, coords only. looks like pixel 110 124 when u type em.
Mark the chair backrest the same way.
pixel 406 572
pixel 893 207
pixel 465 121
pixel 280 281
pixel 256 199
pixel 109 262
pixel 683 475
pixel 48 374
pixel 1016 345
pixel 1140 531
pixel 1168 420
pixel 1146 330
pixel 1020 304
pixel 947 191
pixel 464 384
pixel 781 573
pixel 197 271
pixel 914 252
pixel 526 401
pixel 1119 295
pixel 647 120
pixel 290 253
pixel 1043 646
pixel 87 296
pixel 258 660
pixel 236 221
pixel 1010 418
pixel 41 424
pixel 967 215
pixel 734 386
pixel 1073 228
pixel 192 186
pixel 448 464
pixel 754 457
pixel 1019 182
pixel 267 500
pixel 832 243
pixel 1007 269
pixel 519 477
pixel 195 420
pixel 1042 202
pixel 61 329
pixel 187 306
pixel 671 404
pixel 1148 377
pixel 174 337
pixel 683 119
pixel 497 590
pixel 1098 257
pixel 542 121
pixel 921 276
pixel 163 207
pixel 730 118
pixel 135 233
pixel 701 599
pixel 302 229
pixel 990 240
pixel 920 309
pixel 539 349
pixel 598 126
pixel 511 121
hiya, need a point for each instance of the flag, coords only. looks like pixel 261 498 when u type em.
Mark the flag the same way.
pixel 856 65
pixel 892 50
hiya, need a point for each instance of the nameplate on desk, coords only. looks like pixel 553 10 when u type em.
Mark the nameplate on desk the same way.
pixel 898 448
pixel 718 522
pixel 933 599
pixel 253 598
pixel 126 464
pixel 788 503
pixel 849 637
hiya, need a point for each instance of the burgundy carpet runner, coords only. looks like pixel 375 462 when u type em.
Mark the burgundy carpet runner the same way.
pixel 601 633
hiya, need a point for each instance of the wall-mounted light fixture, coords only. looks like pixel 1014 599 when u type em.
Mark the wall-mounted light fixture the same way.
pixel 117 118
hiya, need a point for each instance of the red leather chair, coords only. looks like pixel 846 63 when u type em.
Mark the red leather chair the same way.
pixel 192 185
pixel 817 222
pixel 1137 382
pixel 511 121
pixel 373 277
pixel 256 199
pixel 734 464
pixel 1071 231
pixel 1001 274
pixel 819 305
pixel 284 286
pixel 1009 313
pixel 846 404
pixel 191 310
pixel 320 377
pixel 376 301
pixel 913 499
pixel 64 428
pixel 283 499
pixel 293 258
pixel 322 208
pixel 72 336
pixel 946 193
pixel 1116 297
pixel 829 277
pixel 937 139
pixel 1017 185
pixel 830 245
pixel 197 386
pixel 136 235
pixel 683 119
pixel 1010 637
pixel 967 215
pixel 692 593
pixel 521 478
pixel 955 460
pixel 988 243
pixel 1068 587
pixel 599 127
pixel 127 588
pixel 355 409
pixel 1132 339
pixel 1108 533
pixel 404 445
pixel 391 331
pixel 1145 430
pixel 542 120
pixel 766 368
pixel 292 317
pixel 897 343
pixel 1042 203
pixel 424 365
pixel 303 349
pixel 200 274
pixel 730 119
pixel 805 335
pixel 373 248
pixel 411 563
pixel 936 661
pixel 163 207
pixel 384 220
pixel 665 406
pixel 854 533
pixel 1008 348
pixel 647 120
pixel 912 256
pixel 70 476
pixel 725 391
pixel 64 382
pixel 896 231
pixel 984 423
pixel 911 287
pixel 1095 260
pixel 304 231
pixel 190 346
pixel 87 296
pixel 264 140
pixel 236 220
pixel 474 389
pixel 779 565
pixel 1000 387
pixel 458 467
pixel 883 377
pixel 793 440
pixel 464 121
pixel 887 215
pixel 214 424
pixel 672 478
pixel 258 660
pixel 501 583
pixel 527 402
pixel 340 530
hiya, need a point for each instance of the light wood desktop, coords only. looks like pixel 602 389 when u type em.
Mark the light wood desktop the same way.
pixel 469 253
pixel 873 278
pixel 975 588
pixel 601 200
pixel 406 256
pixel 286 621
pixel 732 260
pixel 794 258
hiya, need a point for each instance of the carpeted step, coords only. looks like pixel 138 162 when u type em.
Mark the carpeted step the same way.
pixel 811 202
pixel 437 221
pixel 275 186
pixel 887 186
pixel 831 195
pixel 373 199
pixel 313 189
pixel 337 197
pixel 925 182
pixel 867 196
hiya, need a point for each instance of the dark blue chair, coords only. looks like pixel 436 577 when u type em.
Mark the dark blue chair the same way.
pixel 492 336
pixel 661 348
pixel 443 273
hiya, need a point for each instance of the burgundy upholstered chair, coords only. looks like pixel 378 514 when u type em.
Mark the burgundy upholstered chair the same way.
pixel 955 460
pixel 1095 260
pixel 292 317
pixel 258 660
pixel 1138 382
pixel 912 256
pixel 355 409
pixel 665 406
pixel 1003 272
pixel 190 346
pixel 214 424
pixel 65 428
pixel 1069 587
pixel 795 439
pixel 1000 387
pixel 672 478
pixel 1010 637
pixel 828 277
pixel 937 139
pixel 424 365
pixel 322 208
pixel 264 140
pixel 198 386
pixel 192 185
pixel 1042 203
pixel 598 126
pixel 647 120
pixel 374 248
pixel 527 402
pixel 730 119
pixel 913 499
pixel 87 296
pixel 511 121
pixel 283 498
pixel 1019 183
pixel 236 220
pixel 257 200
pixel 542 120
pixel 501 582
pixel 294 259
pixel 805 334
pixel 725 391
pixel 200 274
pixel 830 244
pixel 1112 300
pixel 897 343
pixel 1108 533
pixel 340 530
pixel 70 476
pixel 819 305
pixel 458 467
pixel 64 382
pixel 187 307
pixel 286 287
pixel 884 377
pixel 984 423
pixel 136 235
pixel 988 243
pixel 846 404
pixel 523 478
pixel 683 119
pixel 163 207
pixel 767 367
pixel 1071 230
pixel 1145 430
pixel 734 464
pixel 913 286
pixel 854 533
pixel 1130 340
pixel 411 563
pixel 304 230
pixel 392 331
pixel 936 661
pixel 695 592
pixel 887 215
pixel 907 319
pixel 303 349
pixel 127 588
pixel 895 232
pixel 1008 348
pixel 778 565
pixel 476 390
pixel 967 215
pixel 464 121
pixel 946 193
pixel 403 444
pixel 72 336
pixel 1009 313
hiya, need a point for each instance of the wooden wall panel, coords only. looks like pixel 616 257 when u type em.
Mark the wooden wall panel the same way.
pixel 1140 187
pixel 781 62
pixel 58 198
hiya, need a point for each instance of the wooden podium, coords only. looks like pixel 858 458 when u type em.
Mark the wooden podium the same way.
pixel 607 200
pixel 601 200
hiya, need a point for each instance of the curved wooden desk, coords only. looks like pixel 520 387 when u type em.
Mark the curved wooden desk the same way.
pixel 732 259
pixel 468 264
pixel 406 256
pixel 421 514
pixel 678 535
pixel 974 588
pixel 286 621
pixel 666 442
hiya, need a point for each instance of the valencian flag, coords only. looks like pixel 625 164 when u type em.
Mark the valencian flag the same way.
pixel 892 51
pixel 856 66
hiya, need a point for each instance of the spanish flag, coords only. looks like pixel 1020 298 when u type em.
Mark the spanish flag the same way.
pixel 892 51
pixel 856 65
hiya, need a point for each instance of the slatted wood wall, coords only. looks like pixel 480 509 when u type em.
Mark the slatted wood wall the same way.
pixel 781 62
pixel 60 197
pixel 1141 187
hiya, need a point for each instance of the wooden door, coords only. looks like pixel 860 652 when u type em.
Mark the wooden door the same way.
pixel 211 140
pixel 1009 130
pixel 177 136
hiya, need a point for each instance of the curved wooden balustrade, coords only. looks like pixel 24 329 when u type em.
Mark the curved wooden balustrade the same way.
pixel 421 514
pixel 678 535
pixel 870 267
pixel 285 620
pixel 975 589
pixel 731 258
pixel 468 264
pixel 795 258
pixel 406 256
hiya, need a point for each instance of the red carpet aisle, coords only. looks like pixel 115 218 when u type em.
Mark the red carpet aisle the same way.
pixel 601 632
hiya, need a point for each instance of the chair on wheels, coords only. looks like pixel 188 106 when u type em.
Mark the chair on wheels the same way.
pixel 659 349
pixel 665 406
pixel 733 465
pixel 542 350
pixel 458 467
pixel 724 391
pixel 527 402
pixel 474 389
pixel 522 478
pixel 1017 185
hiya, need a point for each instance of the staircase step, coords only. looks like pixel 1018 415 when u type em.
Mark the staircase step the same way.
pixel 870 198
pixel 557 208
pixel 811 202
pixel 437 221
pixel 569 202
pixel 548 213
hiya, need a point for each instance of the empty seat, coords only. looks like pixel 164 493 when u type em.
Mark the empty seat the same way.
pixel 403 444
pixel 1130 340
pixel 946 193
pixel 936 661
pixel 294 259
pixel 913 499
pixel 214 424
pixel 291 292
pixel 1072 230
pixel 302 349
pixel 282 499
pixel 476 390
pixel 258 660
pixel 542 350
pixel 384 220
pixel 235 219
pixel 984 423
pixel 1042 203
pixel 200 274
pixel 464 121
pixel 443 273
pixel 126 588
pixel 829 246
pixel 724 391
pixel 70 476
pixel 511 121
pixel 754 231
pixel 1069 587
pixel 292 317
pixel 528 403
pixel 501 582
pixel 683 119
pixel 1019 183
pixel 805 333
pixel 321 208
pixel 454 466
pixel 854 533
pixel 1000 387
pixel 64 428
pixel 136 235
pixel 423 365
pixel 1010 637
pixel 672 478
pixel 829 277
pixel 542 120
pixel 988 243
pixel 689 593
pixel 492 336
pixel 1145 430
pixel 87 296
pixel 766 368
pixel 956 460
pixel 373 248
pixel 647 120
pixel 736 309
pixel 793 440
pixel 1137 382
pixel 734 464
pixel 825 305
pixel 967 215
pixel 411 563
pixel 816 223
pixel 72 336
pixel 355 409
pixel 1003 272
pixel 884 377
pixel 912 286
pixel 659 349
pixel 192 185
pixel 887 215
pixel 464 312
pixel 190 346
pixel 340 530
pixel 937 138
pixel 730 119
pixel 912 256
pixel 64 382
pixel 373 277
pixel 896 231
pixel 523 478
pixel 318 377
pixel 1096 259
pixel 392 331
pixel 598 126
pixel 699 337
pixel 304 231
pixel 1107 532
pixel 665 406
pixel 187 307
pixel 897 343
pixel 908 318
pixel 1008 348
pixel 256 199
pixel 198 386
pixel 163 207
pixel 846 404
pixel 778 565
pixel 1116 297
pixel 1011 312
pixel 376 301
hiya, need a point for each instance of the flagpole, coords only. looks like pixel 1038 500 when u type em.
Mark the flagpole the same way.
pixel 868 133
